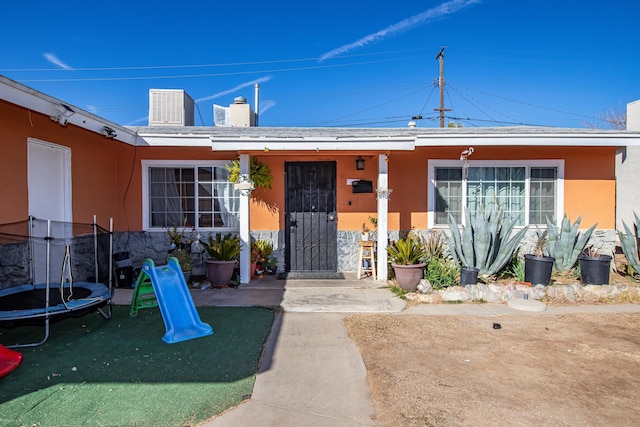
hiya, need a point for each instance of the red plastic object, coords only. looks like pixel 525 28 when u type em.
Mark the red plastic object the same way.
pixel 9 360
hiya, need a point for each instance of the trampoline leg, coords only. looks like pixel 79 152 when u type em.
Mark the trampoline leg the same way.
pixel 106 315
pixel 46 336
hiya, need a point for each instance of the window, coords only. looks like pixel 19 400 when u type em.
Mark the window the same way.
pixel 543 195
pixel 199 195
pixel 448 194
pixel 528 191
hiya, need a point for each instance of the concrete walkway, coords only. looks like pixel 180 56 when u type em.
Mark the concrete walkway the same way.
pixel 312 374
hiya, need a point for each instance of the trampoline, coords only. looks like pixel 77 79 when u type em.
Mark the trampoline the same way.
pixel 49 270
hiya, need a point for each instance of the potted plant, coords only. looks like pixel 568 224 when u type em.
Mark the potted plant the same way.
pixel 260 256
pixel 186 262
pixel 483 246
pixel 407 257
pixel 259 173
pixel 178 238
pixel 224 252
pixel 364 232
pixel 566 243
pixel 594 267
pixel 539 266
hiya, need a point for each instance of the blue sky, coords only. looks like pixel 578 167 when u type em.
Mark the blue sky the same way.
pixel 334 63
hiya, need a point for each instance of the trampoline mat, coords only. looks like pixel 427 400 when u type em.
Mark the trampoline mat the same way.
pixel 33 299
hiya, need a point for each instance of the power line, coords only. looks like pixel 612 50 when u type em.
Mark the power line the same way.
pixel 525 103
pixel 230 64
pixel 373 107
pixel 188 76
pixel 496 121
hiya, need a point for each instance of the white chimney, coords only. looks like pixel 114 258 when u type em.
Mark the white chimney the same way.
pixel 633 115
pixel 257 100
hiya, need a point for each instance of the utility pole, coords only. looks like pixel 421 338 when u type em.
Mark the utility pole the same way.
pixel 440 57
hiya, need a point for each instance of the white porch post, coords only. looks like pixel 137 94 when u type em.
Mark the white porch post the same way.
pixel 245 235
pixel 383 211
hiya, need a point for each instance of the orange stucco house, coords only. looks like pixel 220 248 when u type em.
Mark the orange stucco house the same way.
pixel 65 163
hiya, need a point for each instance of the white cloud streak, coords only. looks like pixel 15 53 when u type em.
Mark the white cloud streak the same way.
pixel 266 105
pixel 235 89
pixel 406 24
pixel 56 61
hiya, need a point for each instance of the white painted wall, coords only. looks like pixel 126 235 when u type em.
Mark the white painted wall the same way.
pixel 628 173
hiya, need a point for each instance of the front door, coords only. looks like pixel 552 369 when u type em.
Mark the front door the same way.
pixel 310 212
pixel 49 187
pixel 49 181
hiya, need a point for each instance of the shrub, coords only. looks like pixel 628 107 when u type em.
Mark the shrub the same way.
pixel 441 272
pixel 516 269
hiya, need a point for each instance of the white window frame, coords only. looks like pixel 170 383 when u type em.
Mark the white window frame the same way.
pixel 147 164
pixel 527 164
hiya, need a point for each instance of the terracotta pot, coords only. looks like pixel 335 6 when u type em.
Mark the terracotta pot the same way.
pixel 409 276
pixel 219 272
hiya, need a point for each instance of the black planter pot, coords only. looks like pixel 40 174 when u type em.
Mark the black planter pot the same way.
pixel 537 269
pixel 594 270
pixel 468 276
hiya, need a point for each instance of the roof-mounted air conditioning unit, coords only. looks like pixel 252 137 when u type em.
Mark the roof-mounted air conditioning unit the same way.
pixel 170 107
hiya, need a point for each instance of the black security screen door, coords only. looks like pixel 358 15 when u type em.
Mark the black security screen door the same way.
pixel 310 212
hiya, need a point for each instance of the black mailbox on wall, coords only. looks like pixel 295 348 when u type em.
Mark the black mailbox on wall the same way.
pixel 362 186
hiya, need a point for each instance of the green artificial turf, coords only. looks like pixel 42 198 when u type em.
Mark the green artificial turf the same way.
pixel 94 372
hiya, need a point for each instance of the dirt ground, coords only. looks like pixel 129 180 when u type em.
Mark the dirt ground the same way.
pixel 536 370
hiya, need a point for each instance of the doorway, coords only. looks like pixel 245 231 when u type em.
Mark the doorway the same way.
pixel 49 181
pixel 49 188
pixel 310 217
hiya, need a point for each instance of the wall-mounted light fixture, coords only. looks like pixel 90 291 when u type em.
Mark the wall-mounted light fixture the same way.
pixel 109 132
pixel 465 163
pixel 360 164
pixel 245 185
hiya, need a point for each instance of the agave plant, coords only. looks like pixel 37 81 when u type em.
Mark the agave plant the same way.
pixel 628 243
pixel 567 242
pixel 485 242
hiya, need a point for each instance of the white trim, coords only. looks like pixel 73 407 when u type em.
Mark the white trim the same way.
pixel 33 100
pixel 570 139
pixel 146 164
pixel 315 144
pixel 528 164
pixel 173 140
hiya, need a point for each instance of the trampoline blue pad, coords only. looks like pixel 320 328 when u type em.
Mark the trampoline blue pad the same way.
pixel 29 301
